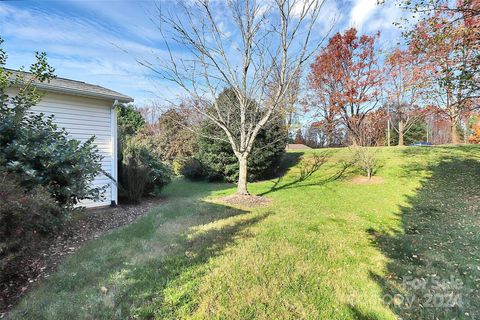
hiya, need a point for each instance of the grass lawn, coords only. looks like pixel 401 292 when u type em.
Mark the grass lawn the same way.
pixel 324 248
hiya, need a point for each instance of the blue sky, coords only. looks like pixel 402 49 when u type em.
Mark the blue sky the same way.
pixel 99 41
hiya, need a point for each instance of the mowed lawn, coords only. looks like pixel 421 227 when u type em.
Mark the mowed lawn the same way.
pixel 324 248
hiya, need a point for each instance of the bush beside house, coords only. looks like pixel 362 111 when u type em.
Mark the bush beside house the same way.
pixel 43 173
pixel 141 173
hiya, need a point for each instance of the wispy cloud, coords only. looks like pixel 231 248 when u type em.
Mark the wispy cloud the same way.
pixel 88 41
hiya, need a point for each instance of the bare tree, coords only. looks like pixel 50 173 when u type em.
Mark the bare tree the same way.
pixel 255 48
pixel 405 77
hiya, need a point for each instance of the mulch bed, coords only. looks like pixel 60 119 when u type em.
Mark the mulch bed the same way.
pixel 243 201
pixel 365 180
pixel 41 258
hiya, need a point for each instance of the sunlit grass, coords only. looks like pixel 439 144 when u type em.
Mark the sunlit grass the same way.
pixel 320 250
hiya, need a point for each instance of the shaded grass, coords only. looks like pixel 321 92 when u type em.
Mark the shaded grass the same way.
pixel 325 248
pixel 434 268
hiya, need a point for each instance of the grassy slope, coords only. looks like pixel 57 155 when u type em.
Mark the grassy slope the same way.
pixel 325 248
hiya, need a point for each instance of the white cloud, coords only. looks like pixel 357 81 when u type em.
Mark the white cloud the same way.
pixel 361 11
pixel 79 48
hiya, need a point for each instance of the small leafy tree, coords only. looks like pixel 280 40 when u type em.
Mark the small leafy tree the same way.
pixel 366 160
pixel 34 148
pixel 475 129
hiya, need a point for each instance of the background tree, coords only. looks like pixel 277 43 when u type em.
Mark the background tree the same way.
pixel 262 67
pixel 417 133
pixel 374 127
pixel 448 41
pixel 298 137
pixel 129 119
pixel 173 137
pixel 349 79
pixel 327 115
pixel 475 130
pixel 405 76
pixel 320 134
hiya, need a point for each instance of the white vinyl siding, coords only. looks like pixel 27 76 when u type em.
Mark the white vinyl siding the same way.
pixel 83 118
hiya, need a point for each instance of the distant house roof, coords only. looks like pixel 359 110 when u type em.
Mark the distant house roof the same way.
pixel 73 87
pixel 297 146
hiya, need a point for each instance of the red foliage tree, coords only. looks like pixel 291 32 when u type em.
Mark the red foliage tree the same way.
pixel 298 137
pixel 374 127
pixel 346 79
pixel 450 41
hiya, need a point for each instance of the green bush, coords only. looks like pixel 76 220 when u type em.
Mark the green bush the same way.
pixel 141 173
pixel 35 149
pixel 24 213
pixel 192 169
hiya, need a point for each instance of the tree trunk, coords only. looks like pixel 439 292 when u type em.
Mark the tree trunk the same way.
pixel 242 176
pixel 400 133
pixel 454 132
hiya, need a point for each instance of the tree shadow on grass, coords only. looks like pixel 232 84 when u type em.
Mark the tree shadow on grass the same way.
pixel 308 167
pixel 152 268
pixel 433 270
pixel 168 288
pixel 289 160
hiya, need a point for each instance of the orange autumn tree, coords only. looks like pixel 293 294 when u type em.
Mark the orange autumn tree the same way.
pixel 475 137
pixel 348 77
pixel 449 41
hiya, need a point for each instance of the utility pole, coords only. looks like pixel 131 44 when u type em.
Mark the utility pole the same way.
pixel 388 125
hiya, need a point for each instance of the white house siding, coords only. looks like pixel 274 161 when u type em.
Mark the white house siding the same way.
pixel 83 118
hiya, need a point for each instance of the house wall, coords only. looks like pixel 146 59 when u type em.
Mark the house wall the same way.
pixel 82 118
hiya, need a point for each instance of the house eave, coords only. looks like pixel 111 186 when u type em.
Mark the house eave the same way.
pixel 49 88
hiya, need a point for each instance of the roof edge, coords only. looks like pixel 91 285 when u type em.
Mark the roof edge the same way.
pixel 49 87
pixel 83 93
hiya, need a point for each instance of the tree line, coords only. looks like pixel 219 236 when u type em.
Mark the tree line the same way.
pixel 354 92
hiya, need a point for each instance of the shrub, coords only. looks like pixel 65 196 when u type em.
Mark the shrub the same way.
pixel 24 213
pixel 192 169
pixel 366 160
pixel 35 149
pixel 141 172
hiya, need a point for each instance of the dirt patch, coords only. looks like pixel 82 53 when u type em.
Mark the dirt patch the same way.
pixel 35 263
pixel 365 180
pixel 243 201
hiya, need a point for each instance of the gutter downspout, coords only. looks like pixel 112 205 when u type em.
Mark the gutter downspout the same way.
pixel 114 137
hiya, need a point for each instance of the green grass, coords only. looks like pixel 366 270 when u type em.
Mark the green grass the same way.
pixel 325 248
